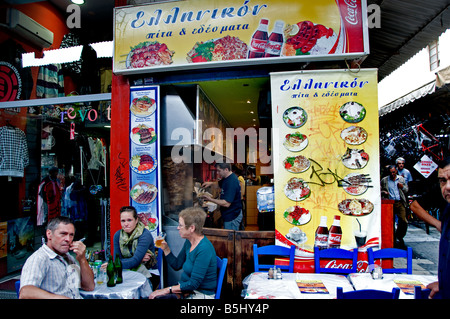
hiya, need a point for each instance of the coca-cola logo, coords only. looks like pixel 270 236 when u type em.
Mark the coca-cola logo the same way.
pixel 334 264
pixel 352 11
pixel 362 265
pixel 258 45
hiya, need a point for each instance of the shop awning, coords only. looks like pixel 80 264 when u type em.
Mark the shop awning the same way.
pixel 410 97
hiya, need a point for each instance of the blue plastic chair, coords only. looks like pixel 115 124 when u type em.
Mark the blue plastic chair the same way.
pixel 273 250
pixel 17 285
pixel 367 294
pixel 221 268
pixel 392 253
pixel 335 253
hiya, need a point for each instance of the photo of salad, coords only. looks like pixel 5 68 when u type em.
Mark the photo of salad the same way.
pixel 295 117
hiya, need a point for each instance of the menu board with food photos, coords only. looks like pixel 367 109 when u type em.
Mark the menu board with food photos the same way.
pixel 144 155
pixel 326 140
pixel 164 35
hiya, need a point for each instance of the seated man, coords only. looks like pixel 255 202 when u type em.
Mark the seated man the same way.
pixel 50 272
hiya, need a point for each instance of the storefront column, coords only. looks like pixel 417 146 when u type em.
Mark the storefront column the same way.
pixel 120 152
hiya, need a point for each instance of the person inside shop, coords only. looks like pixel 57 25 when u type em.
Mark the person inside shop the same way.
pixel 51 272
pixel 252 178
pixel 197 259
pixel 230 196
pixel 237 169
pixel 443 284
pixel 50 195
pixel 402 171
pixel 135 246
pixel 394 187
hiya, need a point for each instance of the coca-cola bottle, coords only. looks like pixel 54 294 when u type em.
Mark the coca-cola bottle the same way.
pixel 335 236
pixel 259 40
pixel 321 240
pixel 275 42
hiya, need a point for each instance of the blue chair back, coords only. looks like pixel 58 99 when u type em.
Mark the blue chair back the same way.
pixel 367 294
pixel 335 253
pixel 420 293
pixel 221 271
pixel 392 253
pixel 17 285
pixel 273 250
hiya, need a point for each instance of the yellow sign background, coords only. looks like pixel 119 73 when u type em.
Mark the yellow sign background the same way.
pixel 181 37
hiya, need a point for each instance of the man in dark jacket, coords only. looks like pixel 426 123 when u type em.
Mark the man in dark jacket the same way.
pixel 443 284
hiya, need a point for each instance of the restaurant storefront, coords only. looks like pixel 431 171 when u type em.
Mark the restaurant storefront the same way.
pixel 174 51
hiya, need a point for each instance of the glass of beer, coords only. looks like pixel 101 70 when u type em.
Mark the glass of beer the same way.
pixel 159 239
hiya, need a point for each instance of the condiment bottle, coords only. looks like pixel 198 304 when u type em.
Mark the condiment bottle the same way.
pixel 275 42
pixel 321 240
pixel 259 41
pixel 335 234
pixel 111 273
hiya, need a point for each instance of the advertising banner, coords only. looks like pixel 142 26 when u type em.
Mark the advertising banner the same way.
pixel 212 33
pixel 326 167
pixel 144 156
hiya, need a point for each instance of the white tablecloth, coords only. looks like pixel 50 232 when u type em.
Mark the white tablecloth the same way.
pixel 134 286
pixel 389 281
pixel 295 286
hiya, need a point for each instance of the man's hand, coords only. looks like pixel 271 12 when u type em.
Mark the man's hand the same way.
pixel 434 287
pixel 79 249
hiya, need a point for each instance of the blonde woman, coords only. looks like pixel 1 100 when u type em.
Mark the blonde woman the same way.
pixel 197 258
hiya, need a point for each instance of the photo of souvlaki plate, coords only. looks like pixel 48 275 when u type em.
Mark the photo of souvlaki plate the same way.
pixel 355 158
pixel 355 184
pixel 297 189
pixel 296 164
pixel 354 135
pixel 355 207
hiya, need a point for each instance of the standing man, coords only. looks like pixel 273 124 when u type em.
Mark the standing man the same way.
pixel 395 188
pixel 50 272
pixel 230 196
pixel 443 284
pixel 402 171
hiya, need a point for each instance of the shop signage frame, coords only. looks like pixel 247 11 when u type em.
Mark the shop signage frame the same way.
pixel 180 27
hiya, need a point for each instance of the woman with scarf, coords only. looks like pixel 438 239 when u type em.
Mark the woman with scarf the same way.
pixel 134 244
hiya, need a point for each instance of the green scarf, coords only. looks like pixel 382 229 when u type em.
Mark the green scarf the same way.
pixel 133 238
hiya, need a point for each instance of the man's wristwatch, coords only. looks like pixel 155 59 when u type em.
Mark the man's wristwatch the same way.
pixel 170 289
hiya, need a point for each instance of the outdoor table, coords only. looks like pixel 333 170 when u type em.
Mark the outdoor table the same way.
pixel 405 282
pixel 294 286
pixel 134 286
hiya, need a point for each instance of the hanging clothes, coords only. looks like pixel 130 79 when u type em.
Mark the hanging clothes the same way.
pixel 50 81
pixel 49 200
pixel 75 202
pixel 98 156
pixel 13 151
